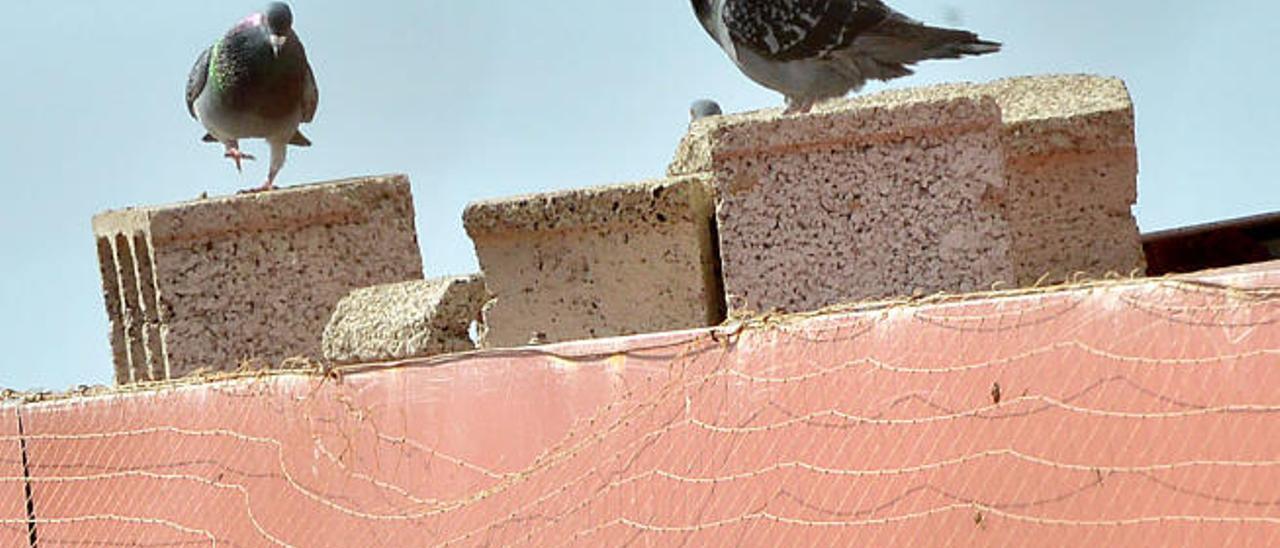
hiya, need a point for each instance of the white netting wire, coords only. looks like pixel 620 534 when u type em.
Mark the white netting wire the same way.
pixel 1113 415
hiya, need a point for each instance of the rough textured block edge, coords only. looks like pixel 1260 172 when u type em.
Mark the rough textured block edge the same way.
pixel 658 201
pixel 1032 109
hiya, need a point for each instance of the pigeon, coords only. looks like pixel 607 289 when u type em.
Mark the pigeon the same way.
pixel 812 50
pixel 703 108
pixel 255 82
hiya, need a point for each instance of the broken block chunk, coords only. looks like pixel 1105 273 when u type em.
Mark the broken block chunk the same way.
pixel 405 320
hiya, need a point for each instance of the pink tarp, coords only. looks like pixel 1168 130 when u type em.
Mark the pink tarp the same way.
pixel 1113 415
pixel 13 497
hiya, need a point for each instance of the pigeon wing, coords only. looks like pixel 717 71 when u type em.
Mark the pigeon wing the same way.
pixel 197 79
pixel 789 30
pixel 310 96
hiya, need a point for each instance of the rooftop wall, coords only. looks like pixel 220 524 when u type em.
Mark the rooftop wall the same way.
pixel 1113 414
pixel 943 189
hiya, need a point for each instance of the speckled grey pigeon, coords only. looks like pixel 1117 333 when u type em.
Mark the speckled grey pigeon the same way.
pixel 703 108
pixel 811 50
pixel 255 82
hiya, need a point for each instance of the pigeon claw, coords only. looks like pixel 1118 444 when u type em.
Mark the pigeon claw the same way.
pixel 266 187
pixel 236 155
pixel 799 106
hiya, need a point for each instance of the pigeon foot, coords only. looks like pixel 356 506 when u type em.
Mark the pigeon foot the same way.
pixel 797 107
pixel 237 155
pixel 266 187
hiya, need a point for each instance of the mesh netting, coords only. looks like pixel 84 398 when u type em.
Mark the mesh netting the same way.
pixel 1128 414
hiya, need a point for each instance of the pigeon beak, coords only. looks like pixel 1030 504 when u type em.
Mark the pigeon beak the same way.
pixel 277 42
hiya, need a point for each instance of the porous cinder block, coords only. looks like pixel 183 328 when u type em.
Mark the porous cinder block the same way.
pixel 948 188
pixel 596 262
pixel 205 285
pixel 405 320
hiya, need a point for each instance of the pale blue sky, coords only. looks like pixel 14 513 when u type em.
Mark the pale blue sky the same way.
pixel 485 99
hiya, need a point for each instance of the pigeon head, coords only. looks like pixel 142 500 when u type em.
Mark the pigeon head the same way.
pixel 702 8
pixel 703 108
pixel 279 23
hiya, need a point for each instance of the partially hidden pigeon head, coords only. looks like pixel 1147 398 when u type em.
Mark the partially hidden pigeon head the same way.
pixel 703 108
pixel 279 18
pixel 279 23
pixel 702 8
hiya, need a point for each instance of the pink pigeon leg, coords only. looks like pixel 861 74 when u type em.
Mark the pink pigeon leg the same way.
pixel 236 155
pixel 279 151
pixel 798 106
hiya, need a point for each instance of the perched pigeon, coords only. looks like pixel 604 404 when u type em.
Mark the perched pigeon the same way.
pixel 703 108
pixel 255 82
pixel 811 50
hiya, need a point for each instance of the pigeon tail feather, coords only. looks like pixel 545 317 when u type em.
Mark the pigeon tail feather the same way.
pixel 907 41
pixel 941 43
pixel 980 47
pixel 299 140
pixel 892 48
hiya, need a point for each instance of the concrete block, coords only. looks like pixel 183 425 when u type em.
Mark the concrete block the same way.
pixel 597 262
pixel 405 320
pixel 948 188
pixel 206 284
